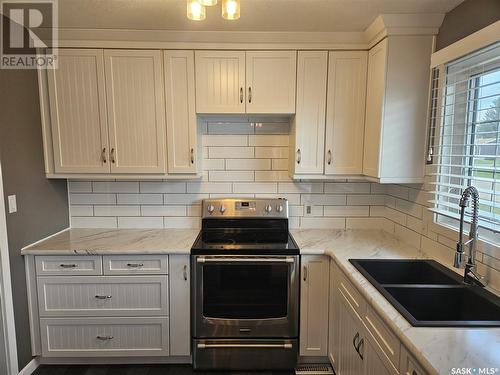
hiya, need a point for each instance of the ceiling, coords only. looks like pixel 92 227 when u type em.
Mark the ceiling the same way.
pixel 256 15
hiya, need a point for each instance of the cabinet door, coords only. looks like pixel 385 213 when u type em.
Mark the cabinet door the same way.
pixel 180 111
pixel 180 335
pixel 332 329
pixel 78 112
pixel 220 81
pixel 375 95
pixel 373 362
pixel 308 129
pixel 349 333
pixel 314 306
pixel 271 77
pixel 345 113
pixel 136 111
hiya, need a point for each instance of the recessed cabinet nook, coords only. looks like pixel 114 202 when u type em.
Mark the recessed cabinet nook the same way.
pixel 132 113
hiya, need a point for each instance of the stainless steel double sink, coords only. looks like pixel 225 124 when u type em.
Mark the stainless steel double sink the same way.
pixel 428 294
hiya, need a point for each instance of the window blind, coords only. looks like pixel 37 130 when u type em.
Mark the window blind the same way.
pixel 464 134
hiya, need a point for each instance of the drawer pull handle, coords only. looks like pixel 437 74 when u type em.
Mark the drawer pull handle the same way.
pixel 62 265
pixel 305 273
pixel 103 297
pixel 135 265
pixel 245 346
pixel 360 348
pixel 355 341
pixel 104 338
pixel 185 273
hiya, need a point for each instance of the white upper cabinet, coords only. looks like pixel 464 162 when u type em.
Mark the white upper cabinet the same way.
pixel 345 112
pixel 77 102
pixel 136 111
pixel 180 111
pixel 396 109
pixel 270 79
pixel 307 138
pixel 220 81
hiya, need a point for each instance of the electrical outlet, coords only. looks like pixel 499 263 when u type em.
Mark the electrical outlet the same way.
pixel 12 204
pixel 308 210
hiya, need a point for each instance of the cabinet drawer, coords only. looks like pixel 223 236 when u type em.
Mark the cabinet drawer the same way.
pixel 71 264
pixel 409 366
pixel 351 294
pixel 136 264
pixel 103 296
pixel 109 337
pixel 383 336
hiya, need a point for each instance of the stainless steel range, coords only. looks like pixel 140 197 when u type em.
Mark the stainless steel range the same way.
pixel 245 296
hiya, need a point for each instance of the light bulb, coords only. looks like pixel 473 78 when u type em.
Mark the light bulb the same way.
pixel 231 9
pixel 195 11
pixel 208 3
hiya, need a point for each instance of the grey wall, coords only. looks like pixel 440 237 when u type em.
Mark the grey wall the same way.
pixel 42 204
pixel 467 18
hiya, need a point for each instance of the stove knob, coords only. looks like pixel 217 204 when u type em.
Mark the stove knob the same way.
pixel 279 208
pixel 269 208
pixel 210 209
pixel 222 209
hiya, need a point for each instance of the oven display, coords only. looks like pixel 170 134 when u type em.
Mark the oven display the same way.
pixel 244 206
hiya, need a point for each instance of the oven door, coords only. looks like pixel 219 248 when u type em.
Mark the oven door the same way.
pixel 245 296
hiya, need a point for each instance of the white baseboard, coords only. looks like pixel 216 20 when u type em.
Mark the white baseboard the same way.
pixel 30 367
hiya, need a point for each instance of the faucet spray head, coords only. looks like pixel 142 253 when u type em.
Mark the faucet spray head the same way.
pixel 459 256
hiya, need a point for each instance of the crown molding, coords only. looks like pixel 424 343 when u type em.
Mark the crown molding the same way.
pixel 384 25
pixel 402 24
pixel 244 40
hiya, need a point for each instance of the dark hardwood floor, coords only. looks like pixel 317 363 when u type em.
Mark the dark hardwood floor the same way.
pixel 139 370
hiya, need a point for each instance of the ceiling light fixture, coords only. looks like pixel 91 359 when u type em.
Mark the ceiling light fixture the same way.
pixel 195 11
pixel 231 9
pixel 208 3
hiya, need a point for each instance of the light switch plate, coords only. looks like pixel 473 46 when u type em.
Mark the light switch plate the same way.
pixel 12 204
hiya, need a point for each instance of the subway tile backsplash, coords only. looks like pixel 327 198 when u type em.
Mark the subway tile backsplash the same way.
pixel 247 159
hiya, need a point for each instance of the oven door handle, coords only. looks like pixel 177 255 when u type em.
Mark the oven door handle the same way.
pixel 245 260
pixel 245 346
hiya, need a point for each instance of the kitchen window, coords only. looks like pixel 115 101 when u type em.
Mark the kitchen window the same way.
pixel 464 137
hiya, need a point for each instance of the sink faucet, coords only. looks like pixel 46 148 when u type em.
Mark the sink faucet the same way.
pixel 470 276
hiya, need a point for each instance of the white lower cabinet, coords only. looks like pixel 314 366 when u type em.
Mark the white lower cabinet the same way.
pixel 120 306
pixel 360 341
pixel 109 337
pixel 180 333
pixel 314 306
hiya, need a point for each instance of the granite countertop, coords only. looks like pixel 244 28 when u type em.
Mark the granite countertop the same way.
pixel 115 241
pixel 438 349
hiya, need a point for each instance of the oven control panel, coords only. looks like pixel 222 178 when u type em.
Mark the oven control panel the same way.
pixel 245 207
